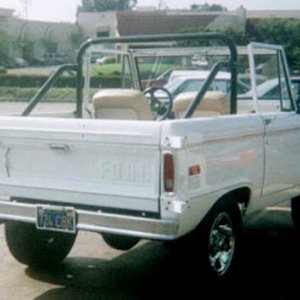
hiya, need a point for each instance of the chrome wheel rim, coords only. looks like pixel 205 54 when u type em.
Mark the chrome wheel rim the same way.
pixel 221 244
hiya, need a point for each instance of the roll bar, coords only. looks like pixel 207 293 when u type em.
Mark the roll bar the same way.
pixel 231 63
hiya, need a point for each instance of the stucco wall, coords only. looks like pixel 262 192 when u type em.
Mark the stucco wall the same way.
pixel 95 22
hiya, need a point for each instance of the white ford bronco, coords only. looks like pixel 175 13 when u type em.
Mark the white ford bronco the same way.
pixel 189 168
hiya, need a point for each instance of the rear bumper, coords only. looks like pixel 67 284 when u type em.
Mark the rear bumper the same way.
pixel 99 222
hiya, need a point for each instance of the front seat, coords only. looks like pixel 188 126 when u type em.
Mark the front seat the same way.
pixel 121 104
pixel 212 104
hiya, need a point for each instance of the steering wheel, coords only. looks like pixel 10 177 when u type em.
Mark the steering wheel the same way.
pixel 161 107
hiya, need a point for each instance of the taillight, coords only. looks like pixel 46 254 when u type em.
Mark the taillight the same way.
pixel 169 173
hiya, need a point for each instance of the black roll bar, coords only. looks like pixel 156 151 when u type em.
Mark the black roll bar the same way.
pixel 46 86
pixel 231 63
pixel 208 81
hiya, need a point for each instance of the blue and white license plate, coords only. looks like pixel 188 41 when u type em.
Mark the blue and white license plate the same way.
pixel 56 218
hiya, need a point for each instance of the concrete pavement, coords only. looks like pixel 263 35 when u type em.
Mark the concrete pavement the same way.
pixel 94 271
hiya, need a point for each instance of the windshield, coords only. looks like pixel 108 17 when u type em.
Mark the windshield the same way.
pixel 269 89
pixel 173 85
pixel 181 85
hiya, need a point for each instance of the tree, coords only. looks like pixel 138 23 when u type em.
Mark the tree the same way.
pixel 106 5
pixel 5 42
pixel 195 7
pixel 193 42
pixel 237 35
pixel 282 32
pixel 296 58
pixel 274 31
pixel 207 7
pixel 77 36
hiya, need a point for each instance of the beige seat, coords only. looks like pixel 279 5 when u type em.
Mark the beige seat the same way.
pixel 121 104
pixel 213 104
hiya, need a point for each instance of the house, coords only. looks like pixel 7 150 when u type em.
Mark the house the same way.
pixel 35 39
pixel 145 21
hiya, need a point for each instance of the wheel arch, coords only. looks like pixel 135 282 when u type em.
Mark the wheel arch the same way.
pixel 238 199
pixel 242 197
pixel 192 219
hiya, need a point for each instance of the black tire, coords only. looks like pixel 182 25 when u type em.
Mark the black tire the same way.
pixel 295 206
pixel 37 248
pixel 120 242
pixel 219 237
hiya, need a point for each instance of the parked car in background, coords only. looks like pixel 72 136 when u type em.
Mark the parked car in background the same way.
pixel 20 62
pixel 101 60
pixel 270 90
pixel 296 87
pixel 187 73
pixel 193 83
pixel 199 61
pixel 270 95
pixel 55 58
pixel 168 76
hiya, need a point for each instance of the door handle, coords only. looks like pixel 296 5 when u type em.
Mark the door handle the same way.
pixel 269 120
pixel 60 147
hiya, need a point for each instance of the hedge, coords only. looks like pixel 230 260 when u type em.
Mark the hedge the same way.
pixel 9 80
pixel 3 70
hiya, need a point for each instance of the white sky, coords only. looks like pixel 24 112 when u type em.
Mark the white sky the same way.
pixel 65 10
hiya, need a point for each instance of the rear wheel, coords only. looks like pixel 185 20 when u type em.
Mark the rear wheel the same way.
pixel 37 248
pixel 219 238
pixel 221 244
pixel 214 245
pixel 295 205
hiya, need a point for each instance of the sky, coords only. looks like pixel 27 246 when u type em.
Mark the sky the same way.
pixel 65 10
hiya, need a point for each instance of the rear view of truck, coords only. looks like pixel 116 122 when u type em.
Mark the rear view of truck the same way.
pixel 72 175
pixel 130 164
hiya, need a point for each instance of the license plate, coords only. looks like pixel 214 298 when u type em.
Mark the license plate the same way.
pixel 56 218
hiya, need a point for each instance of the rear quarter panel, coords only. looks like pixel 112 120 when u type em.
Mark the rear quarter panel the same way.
pixel 230 153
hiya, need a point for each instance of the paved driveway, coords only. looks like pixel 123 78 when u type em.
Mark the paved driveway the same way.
pixel 94 271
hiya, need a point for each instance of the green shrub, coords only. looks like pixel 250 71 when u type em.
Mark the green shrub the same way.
pixel 36 81
pixel 110 60
pixel 3 70
pixel 11 80
pixel 17 94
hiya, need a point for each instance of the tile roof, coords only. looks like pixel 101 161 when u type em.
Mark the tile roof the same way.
pixel 159 22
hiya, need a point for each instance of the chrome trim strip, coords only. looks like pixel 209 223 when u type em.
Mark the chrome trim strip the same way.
pixel 99 222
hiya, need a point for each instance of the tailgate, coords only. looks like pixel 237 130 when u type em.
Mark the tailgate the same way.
pixel 107 164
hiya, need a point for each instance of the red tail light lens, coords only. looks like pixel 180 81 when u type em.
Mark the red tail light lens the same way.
pixel 169 173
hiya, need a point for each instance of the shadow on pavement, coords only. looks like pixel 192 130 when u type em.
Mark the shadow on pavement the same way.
pixel 266 269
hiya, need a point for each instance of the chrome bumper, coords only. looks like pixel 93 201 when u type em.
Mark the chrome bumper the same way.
pixel 98 222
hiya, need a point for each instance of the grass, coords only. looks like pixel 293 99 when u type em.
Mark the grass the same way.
pixel 144 68
pixel 106 69
pixel 149 69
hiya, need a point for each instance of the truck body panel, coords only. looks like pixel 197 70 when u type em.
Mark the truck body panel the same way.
pixel 233 144
pixel 109 164
pixel 282 155
pixel 122 162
